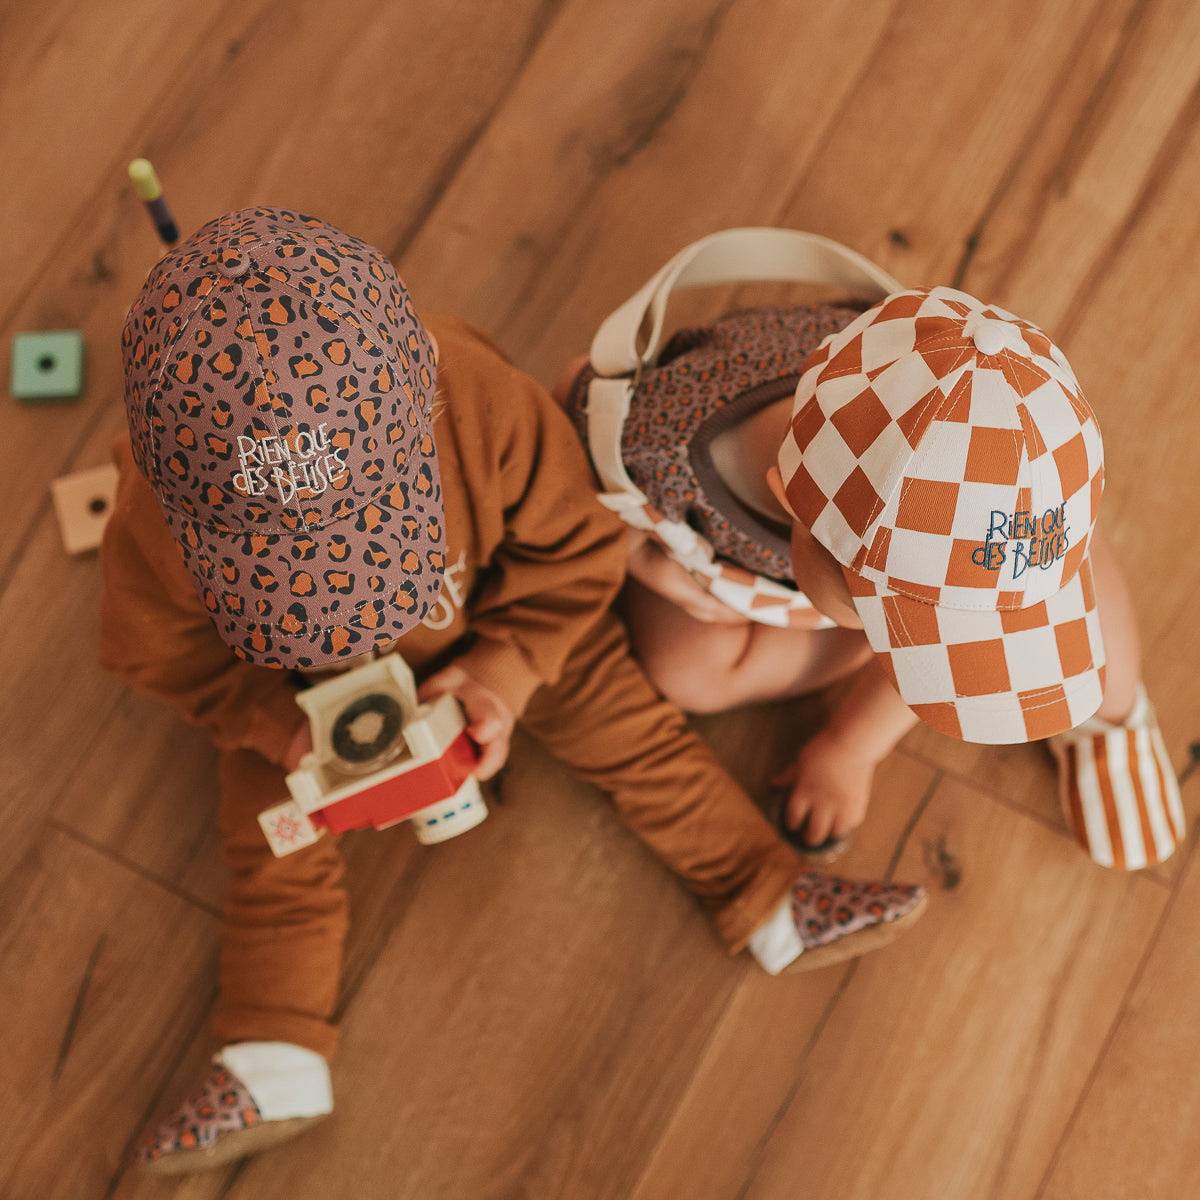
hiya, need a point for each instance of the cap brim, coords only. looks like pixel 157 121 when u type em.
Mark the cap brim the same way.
pixel 990 676
pixel 311 598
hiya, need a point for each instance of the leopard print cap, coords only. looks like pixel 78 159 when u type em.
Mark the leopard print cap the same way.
pixel 278 387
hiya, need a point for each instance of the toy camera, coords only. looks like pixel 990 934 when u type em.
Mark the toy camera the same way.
pixel 378 758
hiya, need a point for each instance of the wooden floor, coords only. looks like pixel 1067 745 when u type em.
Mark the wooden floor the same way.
pixel 536 1010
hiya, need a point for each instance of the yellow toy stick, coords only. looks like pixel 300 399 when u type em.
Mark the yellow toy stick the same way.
pixel 145 183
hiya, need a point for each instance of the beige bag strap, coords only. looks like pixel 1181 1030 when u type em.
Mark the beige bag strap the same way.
pixel 732 256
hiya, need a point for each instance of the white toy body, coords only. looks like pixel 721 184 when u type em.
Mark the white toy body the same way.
pixel 418 767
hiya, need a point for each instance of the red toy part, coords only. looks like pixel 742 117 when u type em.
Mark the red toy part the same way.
pixel 402 795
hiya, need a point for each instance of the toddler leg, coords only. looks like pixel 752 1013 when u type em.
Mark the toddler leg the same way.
pixel 1118 627
pixel 705 667
pixel 708 666
pixel 285 920
pixel 605 719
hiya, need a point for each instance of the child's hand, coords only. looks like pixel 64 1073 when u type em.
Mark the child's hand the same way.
pixel 649 564
pixel 830 786
pixel 566 381
pixel 489 721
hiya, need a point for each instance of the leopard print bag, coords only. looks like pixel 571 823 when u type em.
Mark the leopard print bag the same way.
pixel 648 416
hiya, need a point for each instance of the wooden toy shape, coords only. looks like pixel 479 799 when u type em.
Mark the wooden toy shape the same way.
pixel 47 366
pixel 82 503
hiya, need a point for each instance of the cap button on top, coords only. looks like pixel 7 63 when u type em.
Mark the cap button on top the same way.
pixel 233 262
pixel 990 337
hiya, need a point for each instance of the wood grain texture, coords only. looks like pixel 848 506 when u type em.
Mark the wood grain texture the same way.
pixel 762 1051
pixel 965 1062
pixel 1138 1118
pixel 536 1009
pixel 91 1017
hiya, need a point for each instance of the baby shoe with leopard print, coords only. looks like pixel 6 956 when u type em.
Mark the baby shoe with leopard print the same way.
pixel 825 919
pixel 224 1121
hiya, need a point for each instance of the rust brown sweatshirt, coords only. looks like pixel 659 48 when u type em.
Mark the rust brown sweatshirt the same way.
pixel 533 560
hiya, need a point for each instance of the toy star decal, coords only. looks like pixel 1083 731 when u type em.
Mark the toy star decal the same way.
pixel 288 828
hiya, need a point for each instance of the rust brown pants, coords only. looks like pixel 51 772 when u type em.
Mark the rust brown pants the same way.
pixel 286 918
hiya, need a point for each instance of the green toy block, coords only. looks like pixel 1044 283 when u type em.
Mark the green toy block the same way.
pixel 47 366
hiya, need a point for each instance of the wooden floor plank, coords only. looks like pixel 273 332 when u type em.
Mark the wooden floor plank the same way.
pixel 91 1018
pixel 74 73
pixel 121 771
pixel 950 1069
pixel 762 1046
pixel 537 1009
pixel 51 702
pixel 805 164
pixel 1137 1131
pixel 951 99
pixel 1091 171
pixel 157 814
pixel 641 138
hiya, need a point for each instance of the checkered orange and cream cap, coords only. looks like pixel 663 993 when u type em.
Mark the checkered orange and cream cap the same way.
pixel 942 451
